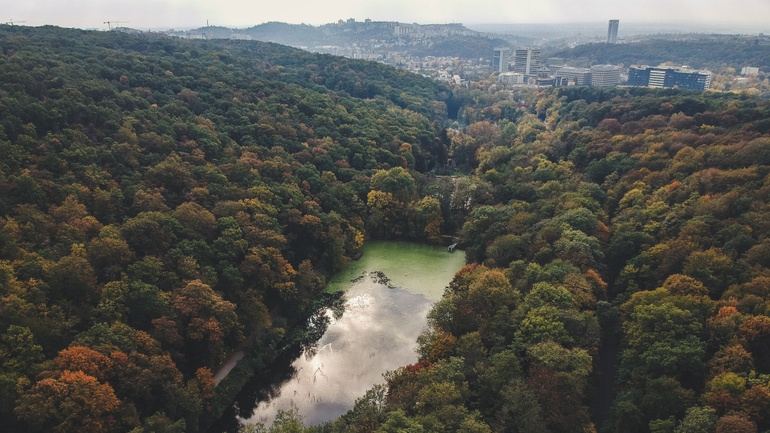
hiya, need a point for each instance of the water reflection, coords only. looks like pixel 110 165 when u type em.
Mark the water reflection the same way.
pixel 376 333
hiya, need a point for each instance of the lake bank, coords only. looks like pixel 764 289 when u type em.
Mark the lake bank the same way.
pixel 418 268
pixel 388 293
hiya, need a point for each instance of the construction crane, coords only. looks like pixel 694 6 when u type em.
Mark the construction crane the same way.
pixel 110 23
pixel 12 22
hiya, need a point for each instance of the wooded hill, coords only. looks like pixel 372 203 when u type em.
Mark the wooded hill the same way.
pixel 714 53
pixel 373 37
pixel 163 200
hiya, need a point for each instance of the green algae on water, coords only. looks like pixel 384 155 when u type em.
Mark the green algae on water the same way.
pixel 418 268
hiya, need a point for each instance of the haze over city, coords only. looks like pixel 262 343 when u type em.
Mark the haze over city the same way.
pixel 164 14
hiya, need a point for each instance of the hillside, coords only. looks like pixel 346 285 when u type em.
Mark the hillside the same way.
pixel 450 40
pixel 713 53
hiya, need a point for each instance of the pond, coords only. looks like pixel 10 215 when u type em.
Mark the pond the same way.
pixel 388 293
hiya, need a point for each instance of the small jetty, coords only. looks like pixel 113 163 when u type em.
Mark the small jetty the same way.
pixel 451 248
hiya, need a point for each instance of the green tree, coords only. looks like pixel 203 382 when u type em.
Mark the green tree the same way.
pixel 397 422
pixel 697 420
pixel 73 277
pixel 396 181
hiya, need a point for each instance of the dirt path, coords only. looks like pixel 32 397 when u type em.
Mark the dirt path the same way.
pixel 228 365
pixel 232 360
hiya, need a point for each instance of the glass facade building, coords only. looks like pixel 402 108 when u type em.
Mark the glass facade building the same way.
pixel 500 59
pixel 612 32
pixel 668 77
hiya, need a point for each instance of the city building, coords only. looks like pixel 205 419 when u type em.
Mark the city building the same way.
pixel 526 60
pixel 512 78
pixel 500 59
pixel 573 76
pixel 403 30
pixel 640 76
pixel 668 77
pixel 612 32
pixel 748 70
pixel 605 75
pixel 543 72
pixel 546 82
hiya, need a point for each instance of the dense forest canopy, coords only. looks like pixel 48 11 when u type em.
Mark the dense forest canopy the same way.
pixel 164 201
pixel 619 274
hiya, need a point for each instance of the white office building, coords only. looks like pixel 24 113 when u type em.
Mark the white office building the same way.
pixel 748 70
pixel 574 76
pixel 527 60
pixel 512 78
pixel 605 76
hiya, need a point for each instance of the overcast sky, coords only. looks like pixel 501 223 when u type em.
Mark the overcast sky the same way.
pixel 165 14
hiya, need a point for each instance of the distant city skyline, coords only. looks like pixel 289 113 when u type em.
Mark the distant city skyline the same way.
pixel 167 14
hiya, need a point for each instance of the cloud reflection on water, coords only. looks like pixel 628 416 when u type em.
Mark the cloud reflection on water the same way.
pixel 376 333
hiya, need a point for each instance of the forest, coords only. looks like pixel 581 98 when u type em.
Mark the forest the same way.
pixel 164 202
pixel 618 274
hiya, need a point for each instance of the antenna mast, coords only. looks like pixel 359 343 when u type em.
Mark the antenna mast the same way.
pixel 110 23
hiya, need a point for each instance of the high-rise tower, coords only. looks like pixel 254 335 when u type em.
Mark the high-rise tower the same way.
pixel 612 32
pixel 527 60
pixel 500 59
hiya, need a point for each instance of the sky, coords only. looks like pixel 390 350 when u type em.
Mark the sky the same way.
pixel 180 14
